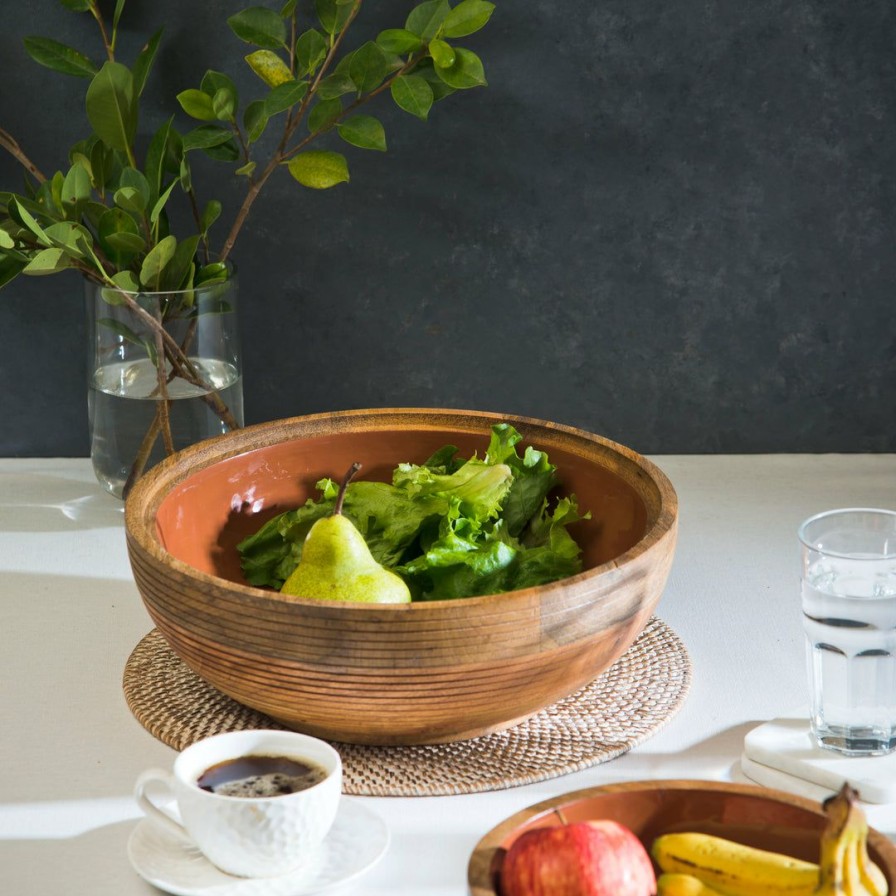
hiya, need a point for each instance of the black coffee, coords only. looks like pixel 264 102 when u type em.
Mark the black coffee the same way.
pixel 255 776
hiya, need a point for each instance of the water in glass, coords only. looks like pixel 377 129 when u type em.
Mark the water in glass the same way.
pixel 849 617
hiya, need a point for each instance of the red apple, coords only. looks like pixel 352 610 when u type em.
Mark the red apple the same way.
pixel 586 858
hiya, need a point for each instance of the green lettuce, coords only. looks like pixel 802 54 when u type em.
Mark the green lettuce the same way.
pixel 451 527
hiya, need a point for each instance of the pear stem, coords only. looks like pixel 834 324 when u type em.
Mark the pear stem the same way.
pixel 340 498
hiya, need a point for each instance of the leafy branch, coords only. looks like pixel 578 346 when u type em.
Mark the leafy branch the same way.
pixel 106 215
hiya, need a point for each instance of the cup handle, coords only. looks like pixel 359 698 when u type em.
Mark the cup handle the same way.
pixel 163 780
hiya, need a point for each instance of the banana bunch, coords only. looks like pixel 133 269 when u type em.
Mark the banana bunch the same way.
pixel 695 864
pixel 846 869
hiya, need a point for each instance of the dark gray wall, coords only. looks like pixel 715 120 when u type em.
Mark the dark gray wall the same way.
pixel 669 223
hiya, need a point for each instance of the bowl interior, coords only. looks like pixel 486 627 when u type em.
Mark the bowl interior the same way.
pixel 206 514
pixel 757 817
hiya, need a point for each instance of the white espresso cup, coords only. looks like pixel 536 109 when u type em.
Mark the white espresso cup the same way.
pixel 247 836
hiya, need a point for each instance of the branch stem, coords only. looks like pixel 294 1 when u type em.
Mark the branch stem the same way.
pixel 282 153
pixel 8 142
pixel 108 44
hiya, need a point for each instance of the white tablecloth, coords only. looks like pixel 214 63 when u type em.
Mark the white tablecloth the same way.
pixel 70 615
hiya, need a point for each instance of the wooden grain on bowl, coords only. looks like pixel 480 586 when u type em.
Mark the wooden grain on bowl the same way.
pixel 426 672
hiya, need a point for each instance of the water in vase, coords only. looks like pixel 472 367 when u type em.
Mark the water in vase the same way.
pixel 123 403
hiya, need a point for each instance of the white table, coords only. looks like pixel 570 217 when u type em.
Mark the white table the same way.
pixel 70 615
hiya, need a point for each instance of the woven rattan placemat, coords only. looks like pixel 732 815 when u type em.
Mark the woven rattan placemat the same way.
pixel 620 709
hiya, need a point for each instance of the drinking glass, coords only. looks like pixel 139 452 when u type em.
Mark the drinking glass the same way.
pixel 849 617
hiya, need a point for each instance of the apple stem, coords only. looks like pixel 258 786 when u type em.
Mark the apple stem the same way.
pixel 561 816
pixel 340 498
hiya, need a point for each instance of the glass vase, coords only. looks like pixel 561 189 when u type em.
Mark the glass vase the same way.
pixel 163 373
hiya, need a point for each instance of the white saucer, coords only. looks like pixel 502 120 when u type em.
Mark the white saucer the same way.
pixel 356 842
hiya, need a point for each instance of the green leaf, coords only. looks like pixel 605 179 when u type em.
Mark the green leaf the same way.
pixel 426 19
pixel 223 152
pixel 123 246
pixel 110 106
pixel 128 243
pixel 224 104
pixel 311 50
pixel 442 53
pixel 413 94
pixel 204 136
pixel 105 165
pixel 126 280
pixel 269 67
pixel 19 213
pixel 466 71
pixel 210 214
pixel 285 96
pixel 131 177
pixel 111 297
pixel 118 236
pixel 116 15
pixel 467 17
pixel 363 131
pixel 130 200
pixel 77 157
pixel 98 166
pixel 323 114
pixel 427 71
pixel 10 268
pixel 47 261
pixel 163 156
pixel 59 57
pixel 197 104
pixel 72 238
pixel 368 68
pixel 180 267
pixel 288 9
pixel 216 272
pixel 213 81
pixel 332 15
pixel 160 203
pixel 6 241
pixel 399 41
pixel 246 170
pixel 92 211
pixel 335 85
pixel 144 61
pixel 319 169
pixel 255 119
pixel 185 174
pixel 157 259
pixel 259 26
pixel 50 196
pixel 77 185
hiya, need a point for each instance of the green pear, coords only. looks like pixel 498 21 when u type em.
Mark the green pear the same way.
pixel 336 563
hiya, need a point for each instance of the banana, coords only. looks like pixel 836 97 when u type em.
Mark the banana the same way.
pixel 846 868
pixel 732 868
pixel 691 860
pixel 872 877
pixel 673 884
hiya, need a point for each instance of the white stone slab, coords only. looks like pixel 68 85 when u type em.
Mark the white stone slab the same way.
pixel 785 745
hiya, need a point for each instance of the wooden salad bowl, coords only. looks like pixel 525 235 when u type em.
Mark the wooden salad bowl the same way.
pixel 427 672
pixel 756 816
